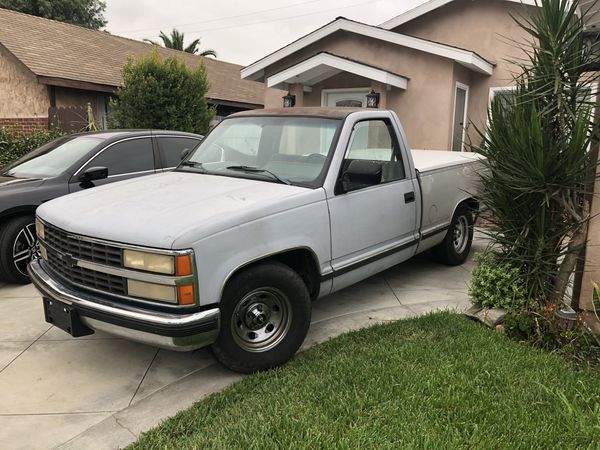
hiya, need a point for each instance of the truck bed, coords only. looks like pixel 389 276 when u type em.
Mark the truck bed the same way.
pixel 428 160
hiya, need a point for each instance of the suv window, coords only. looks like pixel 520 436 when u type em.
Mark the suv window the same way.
pixel 171 149
pixel 372 140
pixel 133 155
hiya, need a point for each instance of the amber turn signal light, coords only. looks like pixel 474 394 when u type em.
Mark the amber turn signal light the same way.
pixel 183 265
pixel 185 294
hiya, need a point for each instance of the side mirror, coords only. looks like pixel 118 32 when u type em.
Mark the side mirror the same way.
pixel 360 174
pixel 93 173
pixel 184 153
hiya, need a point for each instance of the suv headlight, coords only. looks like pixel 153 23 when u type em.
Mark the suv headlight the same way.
pixel 39 228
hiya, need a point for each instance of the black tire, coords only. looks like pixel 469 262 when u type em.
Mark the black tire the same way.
pixel 455 247
pixel 17 237
pixel 265 315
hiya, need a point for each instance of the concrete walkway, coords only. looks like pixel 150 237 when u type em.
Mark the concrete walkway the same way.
pixel 102 392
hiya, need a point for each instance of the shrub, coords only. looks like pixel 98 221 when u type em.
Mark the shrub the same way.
pixel 496 284
pixel 14 144
pixel 539 326
pixel 537 158
pixel 162 94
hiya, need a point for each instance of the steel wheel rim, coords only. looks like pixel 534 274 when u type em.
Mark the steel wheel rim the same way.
pixel 460 234
pixel 25 247
pixel 261 319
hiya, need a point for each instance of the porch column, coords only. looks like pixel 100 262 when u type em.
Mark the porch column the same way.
pixel 297 89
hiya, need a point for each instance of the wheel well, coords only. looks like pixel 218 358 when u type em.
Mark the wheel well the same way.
pixel 471 203
pixel 17 212
pixel 302 261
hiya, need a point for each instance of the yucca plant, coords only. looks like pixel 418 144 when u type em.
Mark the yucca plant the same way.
pixel 539 162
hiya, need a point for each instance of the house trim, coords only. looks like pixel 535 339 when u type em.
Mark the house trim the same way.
pixel 428 7
pixel 335 65
pixel 466 88
pixel 75 84
pixel 467 58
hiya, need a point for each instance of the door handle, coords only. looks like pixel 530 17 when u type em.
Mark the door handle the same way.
pixel 409 197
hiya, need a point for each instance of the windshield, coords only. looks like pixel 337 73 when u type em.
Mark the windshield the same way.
pixel 53 158
pixel 290 150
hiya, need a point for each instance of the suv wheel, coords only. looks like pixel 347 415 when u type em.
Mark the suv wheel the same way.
pixel 18 245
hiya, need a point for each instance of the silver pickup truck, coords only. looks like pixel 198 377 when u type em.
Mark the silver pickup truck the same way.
pixel 274 209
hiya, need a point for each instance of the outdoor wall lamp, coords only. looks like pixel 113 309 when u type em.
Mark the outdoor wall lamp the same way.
pixel 591 45
pixel 373 99
pixel 289 100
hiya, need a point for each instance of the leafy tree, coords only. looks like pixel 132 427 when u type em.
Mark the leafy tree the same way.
pixel 175 41
pixel 162 94
pixel 85 13
pixel 538 163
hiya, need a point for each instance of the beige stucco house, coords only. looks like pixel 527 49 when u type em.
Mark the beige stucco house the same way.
pixel 46 64
pixel 436 65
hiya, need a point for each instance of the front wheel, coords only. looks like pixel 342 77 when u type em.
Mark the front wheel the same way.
pixel 265 315
pixel 456 246
pixel 18 245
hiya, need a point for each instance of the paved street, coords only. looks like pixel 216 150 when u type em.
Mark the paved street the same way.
pixel 101 392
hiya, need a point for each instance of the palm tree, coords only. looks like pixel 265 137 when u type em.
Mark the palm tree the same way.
pixel 175 41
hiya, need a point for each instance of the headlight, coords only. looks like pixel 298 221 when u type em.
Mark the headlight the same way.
pixel 39 229
pixel 152 291
pixel 149 262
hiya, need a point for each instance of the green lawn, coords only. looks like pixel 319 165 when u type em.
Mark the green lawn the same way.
pixel 439 381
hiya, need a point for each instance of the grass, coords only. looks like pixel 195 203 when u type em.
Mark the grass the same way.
pixel 439 381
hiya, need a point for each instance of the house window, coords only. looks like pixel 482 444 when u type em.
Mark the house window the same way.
pixel 505 95
pixel 351 97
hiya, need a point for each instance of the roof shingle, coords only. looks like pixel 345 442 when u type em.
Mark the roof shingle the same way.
pixel 60 50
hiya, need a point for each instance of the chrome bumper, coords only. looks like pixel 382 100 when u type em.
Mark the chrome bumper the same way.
pixel 172 331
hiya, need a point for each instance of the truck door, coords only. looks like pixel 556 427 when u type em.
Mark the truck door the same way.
pixel 373 220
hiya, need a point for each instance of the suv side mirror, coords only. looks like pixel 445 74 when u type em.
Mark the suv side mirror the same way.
pixel 93 173
pixel 184 153
pixel 360 174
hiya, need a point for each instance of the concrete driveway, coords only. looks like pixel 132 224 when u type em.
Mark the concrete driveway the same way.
pixel 101 392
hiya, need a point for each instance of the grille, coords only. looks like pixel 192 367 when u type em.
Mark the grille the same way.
pixel 90 251
pixel 60 242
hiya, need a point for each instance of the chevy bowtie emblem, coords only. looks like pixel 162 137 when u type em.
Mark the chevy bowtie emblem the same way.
pixel 68 260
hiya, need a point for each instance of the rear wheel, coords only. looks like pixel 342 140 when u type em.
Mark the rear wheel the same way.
pixel 456 246
pixel 265 315
pixel 18 245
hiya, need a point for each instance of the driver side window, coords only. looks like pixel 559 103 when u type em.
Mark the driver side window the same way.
pixel 374 143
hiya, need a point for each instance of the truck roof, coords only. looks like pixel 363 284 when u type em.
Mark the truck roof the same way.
pixel 330 113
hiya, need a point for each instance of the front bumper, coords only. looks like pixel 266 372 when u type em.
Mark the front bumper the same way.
pixel 171 331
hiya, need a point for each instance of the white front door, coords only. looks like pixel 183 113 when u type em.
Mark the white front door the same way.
pixel 356 98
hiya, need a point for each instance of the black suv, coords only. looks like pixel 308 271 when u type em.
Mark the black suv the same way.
pixel 69 164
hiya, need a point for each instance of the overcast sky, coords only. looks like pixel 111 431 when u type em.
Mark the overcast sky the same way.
pixel 242 31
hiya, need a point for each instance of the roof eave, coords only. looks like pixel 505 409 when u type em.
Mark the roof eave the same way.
pixel 427 7
pixel 470 59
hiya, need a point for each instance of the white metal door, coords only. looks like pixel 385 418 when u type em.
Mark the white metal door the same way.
pixel 376 224
pixel 460 117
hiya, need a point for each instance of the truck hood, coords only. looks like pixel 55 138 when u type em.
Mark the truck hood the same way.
pixel 157 210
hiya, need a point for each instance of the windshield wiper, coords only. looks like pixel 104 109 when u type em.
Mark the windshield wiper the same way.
pixel 253 169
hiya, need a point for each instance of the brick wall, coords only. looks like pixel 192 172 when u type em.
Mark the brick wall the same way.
pixel 25 124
